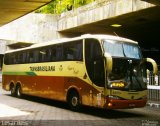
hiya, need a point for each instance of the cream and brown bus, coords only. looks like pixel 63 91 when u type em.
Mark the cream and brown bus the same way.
pixel 94 70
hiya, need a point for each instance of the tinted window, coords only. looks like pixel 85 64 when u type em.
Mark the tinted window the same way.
pixel 60 52
pixel 73 51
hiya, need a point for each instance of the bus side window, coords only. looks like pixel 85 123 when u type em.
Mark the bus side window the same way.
pixel 59 53
pixel 7 59
pixel 78 53
pixel 42 55
pixel 36 56
pixel 53 53
pixel 16 59
pixel 23 57
pixel 68 49
pixel 12 59
pixel 19 58
pixel 47 55
pixel 73 50
pixel 31 58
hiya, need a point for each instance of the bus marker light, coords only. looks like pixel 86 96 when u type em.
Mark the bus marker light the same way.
pixel 116 25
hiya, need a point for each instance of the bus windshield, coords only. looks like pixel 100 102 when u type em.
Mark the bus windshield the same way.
pixel 122 49
pixel 127 67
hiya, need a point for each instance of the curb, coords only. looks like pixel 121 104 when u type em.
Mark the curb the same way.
pixel 153 105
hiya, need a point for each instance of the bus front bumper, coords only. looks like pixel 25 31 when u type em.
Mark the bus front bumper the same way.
pixel 124 104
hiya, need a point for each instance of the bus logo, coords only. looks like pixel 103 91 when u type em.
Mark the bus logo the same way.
pixel 132 97
pixel 60 68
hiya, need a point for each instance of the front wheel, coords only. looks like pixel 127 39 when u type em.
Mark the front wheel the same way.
pixel 73 101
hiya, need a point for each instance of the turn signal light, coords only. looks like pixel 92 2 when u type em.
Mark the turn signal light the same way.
pixel 109 104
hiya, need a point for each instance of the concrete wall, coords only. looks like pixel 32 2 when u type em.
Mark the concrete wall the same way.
pixel 99 10
pixel 2 50
pixel 44 27
pixel 31 28
pixel 2 46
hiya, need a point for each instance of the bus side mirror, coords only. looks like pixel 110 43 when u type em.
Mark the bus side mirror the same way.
pixel 154 64
pixel 109 62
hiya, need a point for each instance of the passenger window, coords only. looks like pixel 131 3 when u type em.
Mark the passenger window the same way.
pixel 53 53
pixel 73 51
pixel 59 53
pixel 31 57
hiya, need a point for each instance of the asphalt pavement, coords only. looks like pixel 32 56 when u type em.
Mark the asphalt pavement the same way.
pixel 33 111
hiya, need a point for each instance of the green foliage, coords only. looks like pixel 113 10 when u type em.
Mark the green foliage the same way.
pixel 60 6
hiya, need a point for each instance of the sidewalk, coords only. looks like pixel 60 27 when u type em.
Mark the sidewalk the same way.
pixel 153 104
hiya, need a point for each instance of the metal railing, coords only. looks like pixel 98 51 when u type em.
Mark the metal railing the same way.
pixel 154 86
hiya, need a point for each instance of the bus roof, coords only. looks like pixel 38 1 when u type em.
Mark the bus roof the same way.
pixel 62 40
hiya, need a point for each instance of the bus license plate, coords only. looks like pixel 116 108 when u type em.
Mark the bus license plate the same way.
pixel 132 105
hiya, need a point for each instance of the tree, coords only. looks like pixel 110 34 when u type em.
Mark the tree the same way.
pixel 60 6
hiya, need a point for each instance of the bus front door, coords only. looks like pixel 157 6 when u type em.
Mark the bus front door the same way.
pixel 95 69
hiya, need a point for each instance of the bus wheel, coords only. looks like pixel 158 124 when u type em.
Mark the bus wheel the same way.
pixel 73 100
pixel 19 91
pixel 13 92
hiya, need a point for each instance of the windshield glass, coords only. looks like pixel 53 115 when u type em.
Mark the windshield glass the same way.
pixel 122 49
pixel 128 70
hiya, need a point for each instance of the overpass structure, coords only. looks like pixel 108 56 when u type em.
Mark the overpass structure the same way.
pixel 13 9
pixel 138 19
pixel 134 19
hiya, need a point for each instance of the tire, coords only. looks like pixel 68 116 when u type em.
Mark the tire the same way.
pixel 74 101
pixel 13 92
pixel 19 91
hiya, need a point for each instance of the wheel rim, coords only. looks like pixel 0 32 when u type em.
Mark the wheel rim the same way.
pixel 12 90
pixel 18 92
pixel 74 101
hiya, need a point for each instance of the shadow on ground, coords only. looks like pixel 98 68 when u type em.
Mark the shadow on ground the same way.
pixel 103 113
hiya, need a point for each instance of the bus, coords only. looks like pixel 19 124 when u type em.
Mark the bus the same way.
pixel 102 71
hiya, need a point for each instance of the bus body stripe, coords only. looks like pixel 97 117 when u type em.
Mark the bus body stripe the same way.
pixel 20 73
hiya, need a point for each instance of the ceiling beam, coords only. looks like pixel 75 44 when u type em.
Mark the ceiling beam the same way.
pixel 13 9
